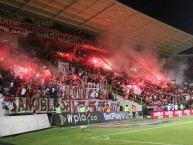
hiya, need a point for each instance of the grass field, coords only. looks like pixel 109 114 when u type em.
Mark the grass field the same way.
pixel 178 131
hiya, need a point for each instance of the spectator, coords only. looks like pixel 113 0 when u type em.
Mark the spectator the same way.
pixel 58 109
pixel 181 107
pixel 82 108
pixel 35 112
pixel 103 108
pixel 176 106
pixel 127 109
pixel 144 111
pixel 108 108
pixel 134 111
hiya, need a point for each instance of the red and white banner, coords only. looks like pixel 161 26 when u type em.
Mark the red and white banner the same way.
pixel 63 67
pixel 45 105
pixel 14 31
pixel 92 104
pixel 171 114
pixel 43 32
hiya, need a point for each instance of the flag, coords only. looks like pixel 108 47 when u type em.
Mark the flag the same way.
pixel 137 90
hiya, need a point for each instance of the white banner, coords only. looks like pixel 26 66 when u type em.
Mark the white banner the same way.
pixel 11 125
pixel 63 67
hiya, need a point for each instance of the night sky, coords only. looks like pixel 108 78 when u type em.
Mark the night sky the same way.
pixel 176 13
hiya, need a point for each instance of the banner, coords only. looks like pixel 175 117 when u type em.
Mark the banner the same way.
pixel 46 105
pixel 66 119
pixel 11 125
pixel 93 104
pixel 46 32
pixel 171 114
pixel 114 116
pixel 10 13
pixel 43 105
pixel 63 67
pixel 14 31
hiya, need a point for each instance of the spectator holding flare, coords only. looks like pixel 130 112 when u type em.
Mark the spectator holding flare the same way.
pixel 134 111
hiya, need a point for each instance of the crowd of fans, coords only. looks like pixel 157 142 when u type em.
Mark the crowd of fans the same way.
pixel 49 81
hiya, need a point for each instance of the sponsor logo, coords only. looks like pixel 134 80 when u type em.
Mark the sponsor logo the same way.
pixel 169 113
pixel 179 113
pixel 158 114
pixel 187 112
pixel 62 119
pixel 112 116
pixel 75 118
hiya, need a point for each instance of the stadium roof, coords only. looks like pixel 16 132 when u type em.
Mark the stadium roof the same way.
pixel 100 15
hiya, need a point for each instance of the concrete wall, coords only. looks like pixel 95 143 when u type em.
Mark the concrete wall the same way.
pixel 3 111
pixel 10 125
pixel 129 103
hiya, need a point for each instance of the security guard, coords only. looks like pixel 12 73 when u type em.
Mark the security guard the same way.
pixel 181 107
pixel 58 109
pixel 127 109
pixel 82 108
pixel 134 111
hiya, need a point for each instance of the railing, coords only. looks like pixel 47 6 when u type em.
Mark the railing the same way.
pixel 120 92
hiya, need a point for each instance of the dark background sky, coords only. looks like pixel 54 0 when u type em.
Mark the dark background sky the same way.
pixel 176 13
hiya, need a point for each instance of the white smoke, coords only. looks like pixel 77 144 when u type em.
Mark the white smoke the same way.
pixel 177 71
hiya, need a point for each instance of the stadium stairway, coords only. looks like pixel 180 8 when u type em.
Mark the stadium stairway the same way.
pixel 124 102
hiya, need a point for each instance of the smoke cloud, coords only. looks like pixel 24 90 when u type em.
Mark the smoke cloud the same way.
pixel 132 58
pixel 177 69
pixel 21 61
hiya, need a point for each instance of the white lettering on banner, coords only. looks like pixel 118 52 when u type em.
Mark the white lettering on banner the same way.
pixel 15 31
pixel 78 118
pixel 93 104
pixel 93 118
pixel 112 116
pixel 61 36
pixel 187 112
pixel 69 117
pixel 169 113
pixel 158 114
pixel 179 113
pixel 47 104
pixel 44 32
pixel 42 104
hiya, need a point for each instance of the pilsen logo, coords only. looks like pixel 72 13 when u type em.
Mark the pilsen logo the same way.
pixel 62 119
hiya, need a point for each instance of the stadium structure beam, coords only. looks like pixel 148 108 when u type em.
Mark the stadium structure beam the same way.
pixel 29 1
pixel 84 9
pixel 46 6
pixel 97 14
pixel 64 9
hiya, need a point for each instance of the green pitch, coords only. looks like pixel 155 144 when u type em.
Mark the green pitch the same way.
pixel 177 131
